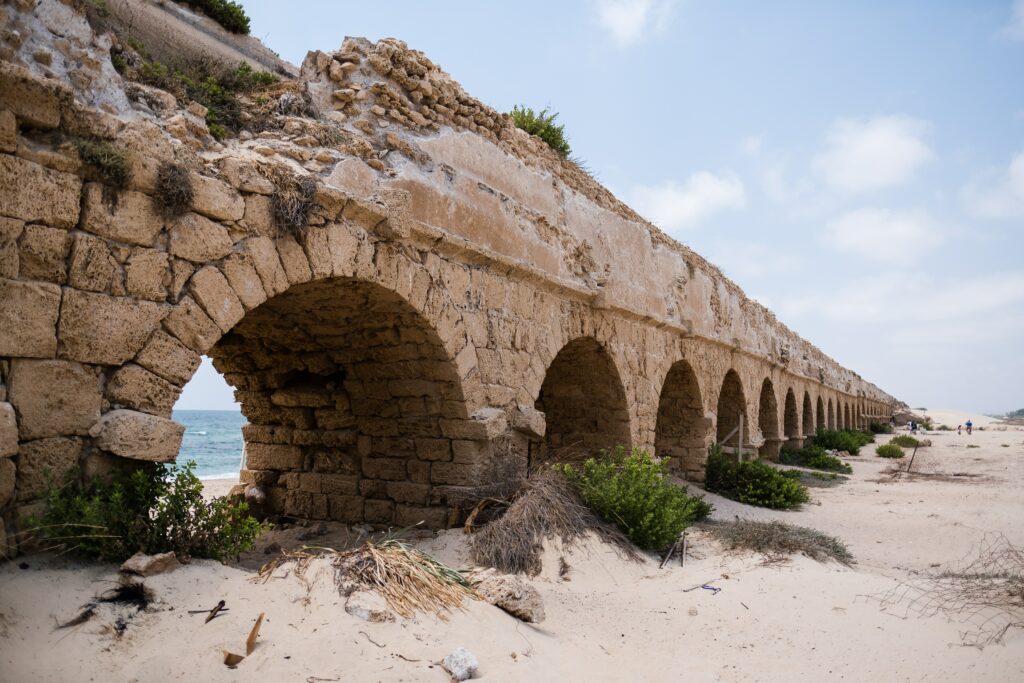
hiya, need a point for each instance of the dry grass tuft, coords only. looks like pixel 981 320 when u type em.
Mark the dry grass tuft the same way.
pixel 107 161
pixel 547 507
pixel 778 539
pixel 174 191
pixel 292 198
pixel 409 579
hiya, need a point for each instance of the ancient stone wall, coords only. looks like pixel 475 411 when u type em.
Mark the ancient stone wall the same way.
pixel 458 303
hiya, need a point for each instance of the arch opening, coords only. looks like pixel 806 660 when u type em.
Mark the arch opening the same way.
pixel 791 422
pixel 583 400
pixel 831 416
pixel 808 417
pixel 768 421
pixel 847 419
pixel 353 405
pixel 681 430
pixel 732 404
pixel 820 415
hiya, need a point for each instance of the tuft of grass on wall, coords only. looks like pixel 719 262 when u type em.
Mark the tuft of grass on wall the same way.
pixel 542 124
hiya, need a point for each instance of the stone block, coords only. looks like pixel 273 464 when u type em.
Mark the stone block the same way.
pixel 243 278
pixel 215 199
pixel 28 319
pixel 53 398
pixel 96 328
pixel 258 477
pixel 339 484
pixel 529 421
pixel 428 517
pixel 259 215
pixel 484 424
pixel 148 274
pixel 302 397
pixel 378 511
pixel 263 254
pixel 92 264
pixel 42 254
pixel 434 449
pixel 138 436
pixel 470 452
pixel 293 260
pixel 244 176
pixel 8 430
pixel 408 492
pixel 211 290
pixel 31 100
pixel 38 194
pixel 390 469
pixel 10 231
pixel 8 473
pixel 167 357
pixel 455 474
pixel 44 463
pixel 132 219
pixel 198 239
pixel 193 328
pixel 345 508
pixel 8 132
pixel 265 456
pixel 135 387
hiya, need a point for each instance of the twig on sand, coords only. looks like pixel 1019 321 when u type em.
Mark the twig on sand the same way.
pixel 367 636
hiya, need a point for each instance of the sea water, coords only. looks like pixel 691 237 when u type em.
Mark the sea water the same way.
pixel 213 438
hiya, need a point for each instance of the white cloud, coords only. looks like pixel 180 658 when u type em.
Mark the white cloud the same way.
pixel 884 234
pixel 871 154
pixel 1015 28
pixel 745 260
pixel 1003 197
pixel 629 21
pixel 673 206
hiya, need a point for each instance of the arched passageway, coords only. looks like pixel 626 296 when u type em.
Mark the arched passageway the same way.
pixel 820 415
pixel 583 400
pixel 847 419
pixel 681 429
pixel 791 422
pixel 768 421
pixel 352 401
pixel 732 404
pixel 808 417
pixel 831 420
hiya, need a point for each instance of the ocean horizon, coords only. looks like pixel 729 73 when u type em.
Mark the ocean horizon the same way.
pixel 213 439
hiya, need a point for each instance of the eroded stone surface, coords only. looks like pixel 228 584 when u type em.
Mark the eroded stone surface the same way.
pixel 53 398
pixel 95 328
pixel 138 436
pixel 28 319
pixel 44 463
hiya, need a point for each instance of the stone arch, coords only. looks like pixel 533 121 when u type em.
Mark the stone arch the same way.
pixel 681 430
pixel 808 416
pixel 847 419
pixel 831 419
pixel 768 421
pixel 583 399
pixel 820 415
pixel 732 404
pixel 356 410
pixel 791 421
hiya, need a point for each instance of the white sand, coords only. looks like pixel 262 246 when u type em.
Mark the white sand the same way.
pixel 612 621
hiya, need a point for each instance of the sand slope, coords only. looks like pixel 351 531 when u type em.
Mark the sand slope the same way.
pixel 612 621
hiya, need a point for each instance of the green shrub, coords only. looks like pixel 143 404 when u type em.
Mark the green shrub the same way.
pixel 842 440
pixel 753 483
pixel 880 428
pixel 108 162
pixel 889 451
pixel 633 492
pixel 153 510
pixel 228 14
pixel 543 126
pixel 814 457
pixel 905 441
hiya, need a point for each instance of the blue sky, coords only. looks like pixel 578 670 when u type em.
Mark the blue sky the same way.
pixel 857 167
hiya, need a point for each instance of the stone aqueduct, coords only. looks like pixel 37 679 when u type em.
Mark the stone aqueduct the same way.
pixel 459 302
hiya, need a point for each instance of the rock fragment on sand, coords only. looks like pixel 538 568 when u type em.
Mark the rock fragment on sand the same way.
pixel 150 565
pixel 369 606
pixel 511 594
pixel 461 664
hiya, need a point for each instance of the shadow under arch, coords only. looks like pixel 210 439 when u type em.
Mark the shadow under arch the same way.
pixel 353 404
pixel 681 430
pixel 732 404
pixel 583 400
pixel 768 421
pixel 820 415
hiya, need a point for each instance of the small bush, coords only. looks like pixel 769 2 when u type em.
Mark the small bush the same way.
pixel 815 458
pixel 889 451
pixel 753 483
pixel 109 162
pixel 880 428
pixel 633 492
pixel 842 440
pixel 228 14
pixel 905 441
pixel 543 126
pixel 174 190
pixel 779 538
pixel 153 510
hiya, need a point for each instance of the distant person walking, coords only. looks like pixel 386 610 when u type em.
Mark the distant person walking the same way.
pixel 970 427
pixel 959 429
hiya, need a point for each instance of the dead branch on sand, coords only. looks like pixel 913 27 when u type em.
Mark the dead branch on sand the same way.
pixel 984 591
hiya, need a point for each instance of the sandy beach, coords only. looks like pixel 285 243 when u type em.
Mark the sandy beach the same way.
pixel 608 619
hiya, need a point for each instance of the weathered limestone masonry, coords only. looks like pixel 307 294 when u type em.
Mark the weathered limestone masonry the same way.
pixel 459 301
